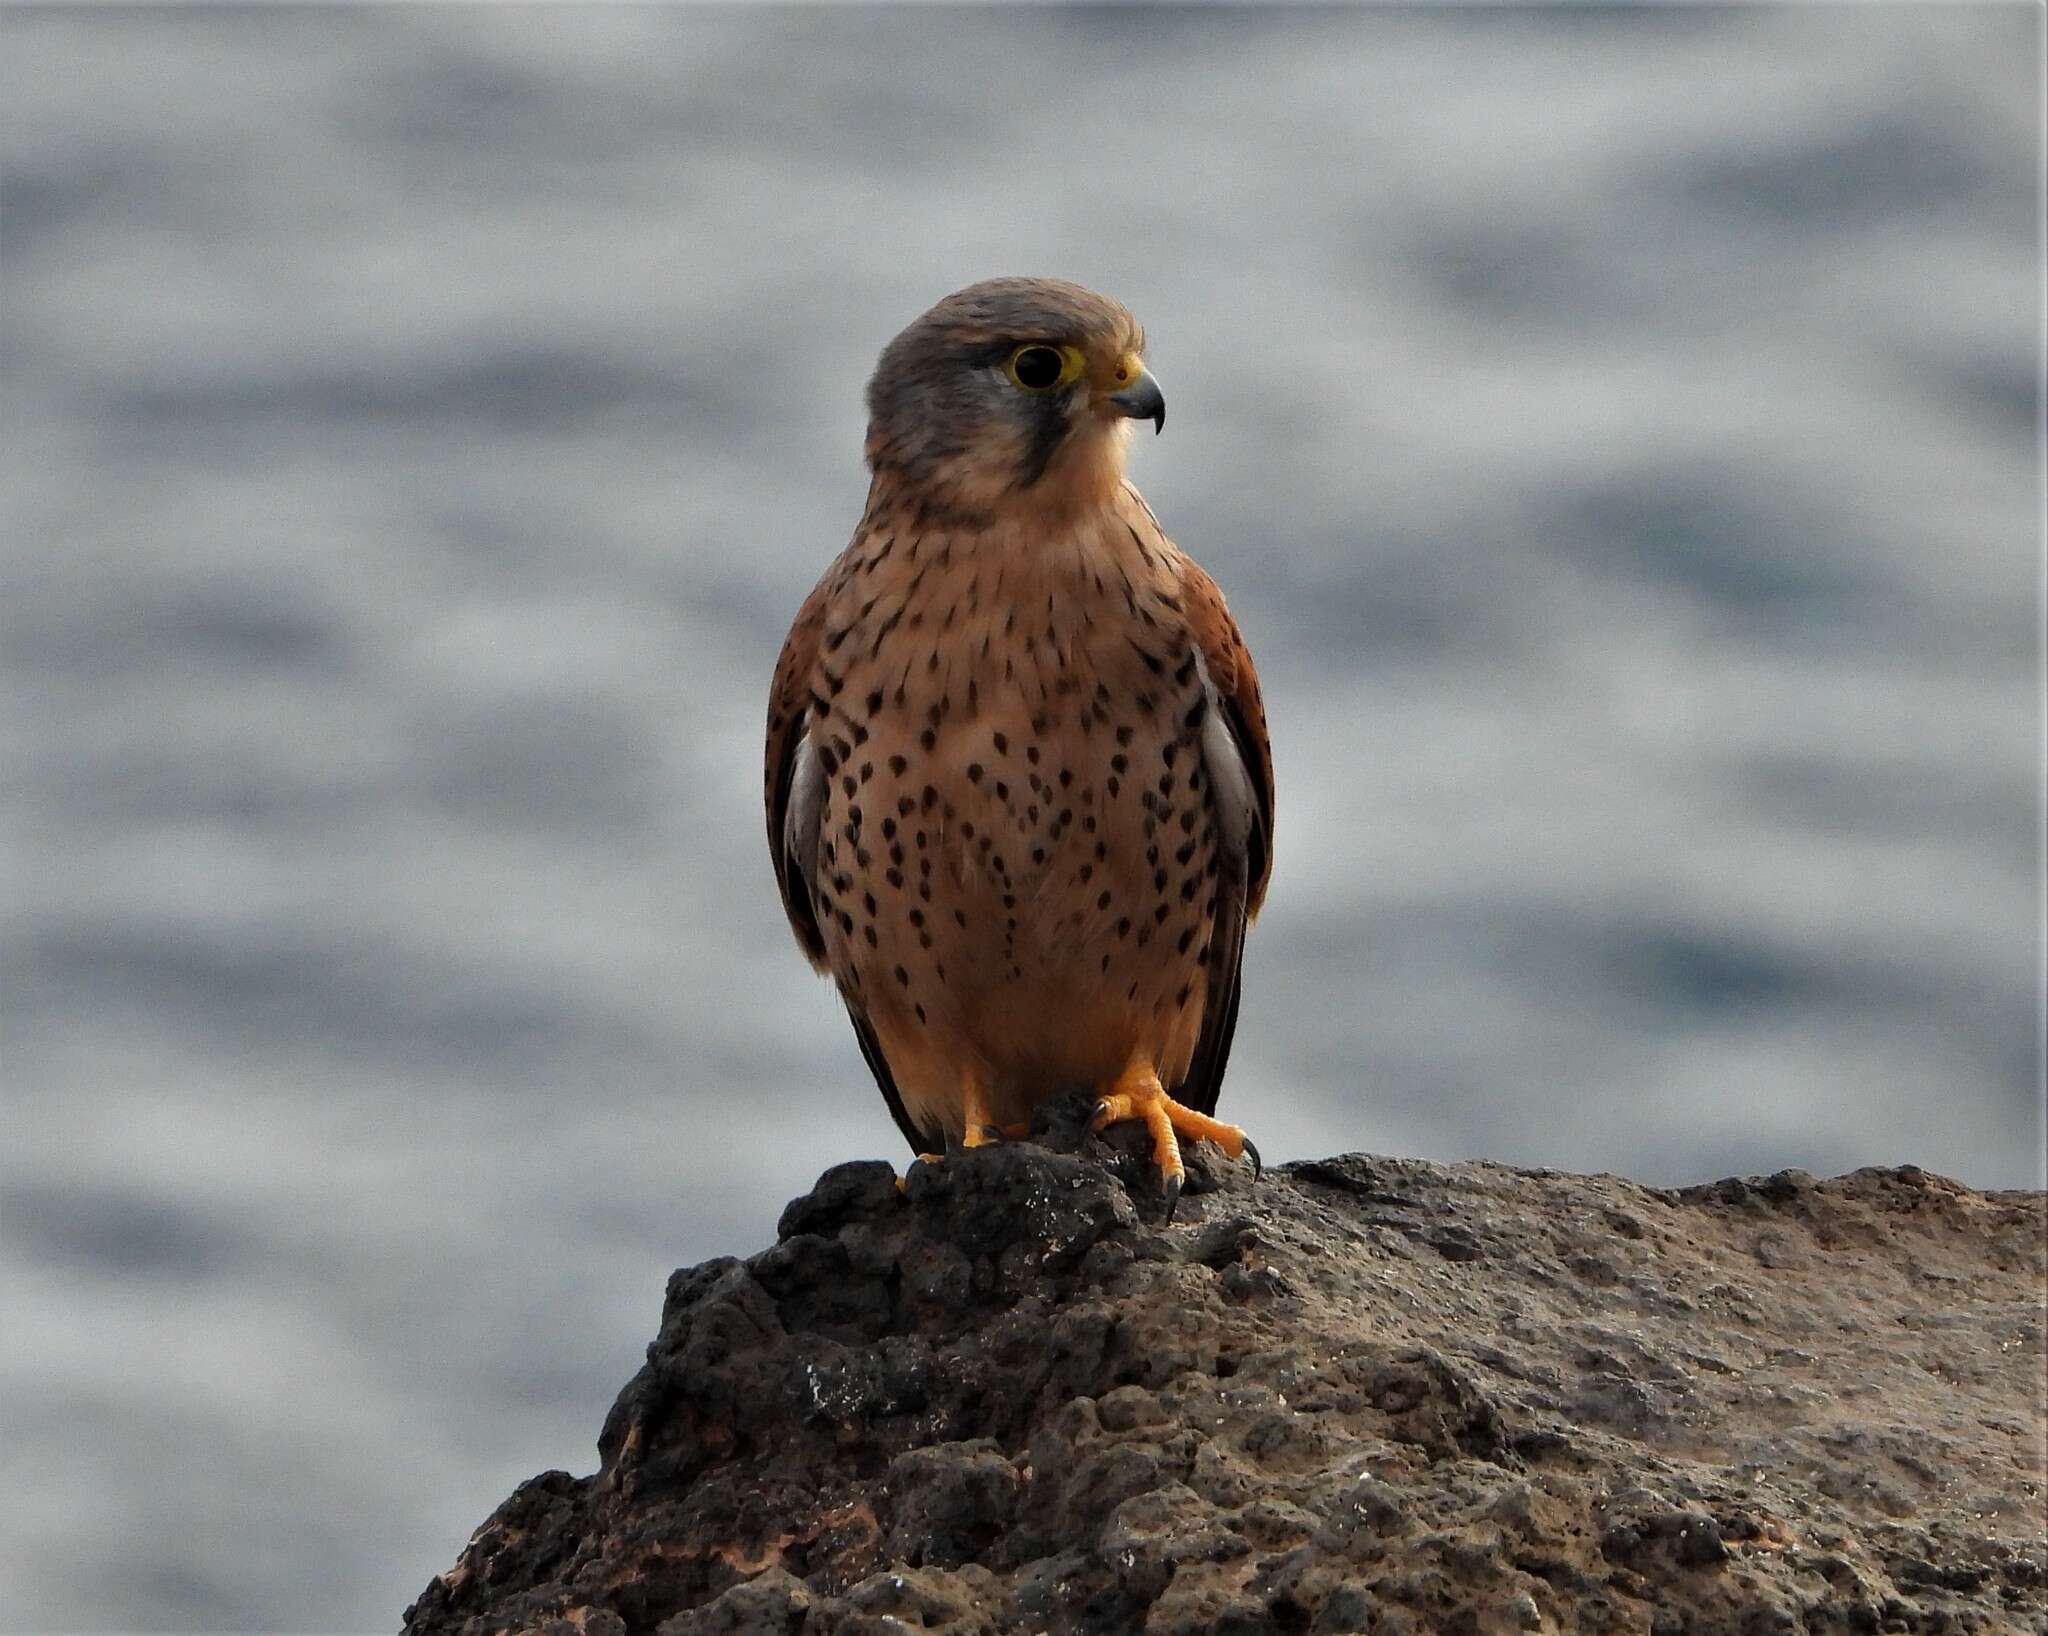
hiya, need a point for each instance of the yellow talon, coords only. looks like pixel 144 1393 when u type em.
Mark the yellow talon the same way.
pixel 1137 1094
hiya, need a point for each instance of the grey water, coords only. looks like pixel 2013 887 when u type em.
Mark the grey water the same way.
pixel 1616 431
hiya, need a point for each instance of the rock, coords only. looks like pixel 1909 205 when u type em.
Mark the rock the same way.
pixel 1365 1395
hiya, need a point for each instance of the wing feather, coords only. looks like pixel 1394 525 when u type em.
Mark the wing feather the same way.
pixel 795 795
pixel 1239 760
pixel 791 771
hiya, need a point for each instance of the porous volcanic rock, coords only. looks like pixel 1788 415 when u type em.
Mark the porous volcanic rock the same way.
pixel 1363 1395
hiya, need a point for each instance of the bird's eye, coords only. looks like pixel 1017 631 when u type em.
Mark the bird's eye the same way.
pixel 1039 368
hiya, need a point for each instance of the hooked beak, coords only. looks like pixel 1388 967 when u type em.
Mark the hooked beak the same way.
pixel 1141 400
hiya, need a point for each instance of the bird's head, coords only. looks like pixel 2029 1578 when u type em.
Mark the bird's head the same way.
pixel 1014 390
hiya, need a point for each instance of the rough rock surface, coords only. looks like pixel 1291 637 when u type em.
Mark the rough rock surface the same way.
pixel 1364 1395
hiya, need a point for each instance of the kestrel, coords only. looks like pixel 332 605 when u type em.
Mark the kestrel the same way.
pixel 1020 795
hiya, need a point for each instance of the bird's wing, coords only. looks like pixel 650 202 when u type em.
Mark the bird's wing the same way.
pixel 795 789
pixel 795 779
pixel 1239 760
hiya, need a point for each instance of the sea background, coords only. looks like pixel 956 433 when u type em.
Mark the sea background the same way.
pixel 1616 431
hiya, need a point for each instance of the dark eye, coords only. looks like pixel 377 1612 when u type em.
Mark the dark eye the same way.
pixel 1036 368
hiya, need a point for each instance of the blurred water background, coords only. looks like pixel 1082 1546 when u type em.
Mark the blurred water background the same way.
pixel 1614 429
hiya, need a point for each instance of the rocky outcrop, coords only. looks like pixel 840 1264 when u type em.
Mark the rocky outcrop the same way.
pixel 1361 1395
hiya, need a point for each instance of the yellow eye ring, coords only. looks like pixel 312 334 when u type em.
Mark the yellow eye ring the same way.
pixel 1038 366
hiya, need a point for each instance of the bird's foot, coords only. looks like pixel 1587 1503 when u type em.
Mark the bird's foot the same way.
pixel 977 1135
pixel 1137 1094
pixel 903 1181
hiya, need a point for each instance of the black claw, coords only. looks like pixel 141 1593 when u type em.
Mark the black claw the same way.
pixel 993 1133
pixel 1173 1187
pixel 1258 1169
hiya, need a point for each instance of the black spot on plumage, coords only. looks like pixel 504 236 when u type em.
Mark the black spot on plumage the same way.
pixel 874 702
pixel 873 941
pixel 828 758
pixel 928 738
pixel 850 784
pixel 1119 763
pixel 905 806
pixel 888 829
pixel 903 977
pixel 1002 744
pixel 895 878
pixel 1123 927
pixel 1187 939
pixel 898 765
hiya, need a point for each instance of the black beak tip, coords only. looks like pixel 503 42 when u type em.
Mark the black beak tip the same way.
pixel 1142 400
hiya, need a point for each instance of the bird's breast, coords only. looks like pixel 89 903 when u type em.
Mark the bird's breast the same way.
pixel 1017 824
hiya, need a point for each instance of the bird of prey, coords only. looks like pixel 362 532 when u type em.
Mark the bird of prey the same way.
pixel 1019 789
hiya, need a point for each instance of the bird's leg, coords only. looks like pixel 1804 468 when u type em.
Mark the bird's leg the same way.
pixel 981 1128
pixel 978 1129
pixel 1137 1094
